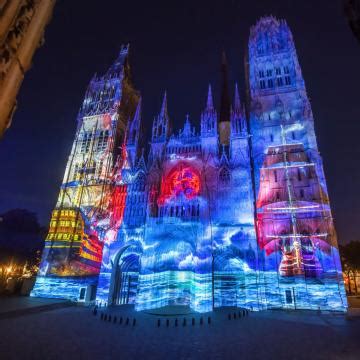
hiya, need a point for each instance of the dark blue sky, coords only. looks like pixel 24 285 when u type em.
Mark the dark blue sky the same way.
pixel 176 45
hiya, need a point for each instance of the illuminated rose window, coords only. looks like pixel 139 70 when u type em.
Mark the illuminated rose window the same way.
pixel 183 180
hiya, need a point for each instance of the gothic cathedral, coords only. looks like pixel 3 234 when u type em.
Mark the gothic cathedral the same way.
pixel 234 214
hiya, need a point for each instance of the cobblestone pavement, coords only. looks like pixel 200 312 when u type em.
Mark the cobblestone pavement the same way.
pixel 76 333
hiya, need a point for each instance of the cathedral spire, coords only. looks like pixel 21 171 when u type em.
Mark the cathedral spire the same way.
pixel 164 111
pixel 237 117
pixel 120 63
pixel 209 117
pixel 237 102
pixel 161 125
pixel 187 131
pixel 133 135
pixel 141 165
pixel 224 123
pixel 209 102
pixel 134 126
pixel 137 115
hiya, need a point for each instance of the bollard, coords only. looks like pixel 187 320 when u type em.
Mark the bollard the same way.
pixel 109 318
pixel 127 321
pixel 121 319
pixel 134 322
pixel 167 322
pixel 159 322
pixel 209 320
pixel 176 322
pixel 105 317
pixel 243 312
pixel 193 321
pixel 101 316
pixel 229 316
pixel 239 314
pixel 94 311
pixel 201 321
pixel 234 315
pixel 184 322
pixel 115 319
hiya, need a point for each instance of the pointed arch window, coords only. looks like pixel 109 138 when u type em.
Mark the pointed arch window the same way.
pixel 85 142
pixel 140 182
pixel 224 175
pixel 302 194
pixel 299 174
pixel 102 140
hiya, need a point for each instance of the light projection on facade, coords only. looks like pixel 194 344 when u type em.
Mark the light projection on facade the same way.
pixel 182 181
pixel 210 218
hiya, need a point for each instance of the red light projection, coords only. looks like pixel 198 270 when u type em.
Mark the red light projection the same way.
pixel 118 205
pixel 118 198
pixel 183 180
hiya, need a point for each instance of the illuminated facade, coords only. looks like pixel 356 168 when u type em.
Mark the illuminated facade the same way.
pixel 294 223
pixel 212 218
pixel 89 205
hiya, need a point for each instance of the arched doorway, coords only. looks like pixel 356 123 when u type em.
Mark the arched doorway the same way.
pixel 228 280
pixel 125 276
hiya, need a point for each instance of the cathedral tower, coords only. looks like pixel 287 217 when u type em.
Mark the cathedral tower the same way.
pixel 73 247
pixel 294 222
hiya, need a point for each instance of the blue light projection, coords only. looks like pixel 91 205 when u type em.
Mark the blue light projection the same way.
pixel 189 226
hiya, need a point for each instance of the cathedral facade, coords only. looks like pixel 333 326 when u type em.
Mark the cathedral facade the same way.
pixel 233 214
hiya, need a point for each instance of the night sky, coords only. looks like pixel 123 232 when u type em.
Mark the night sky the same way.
pixel 177 45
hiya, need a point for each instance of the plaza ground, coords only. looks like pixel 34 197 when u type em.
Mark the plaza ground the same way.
pixel 50 329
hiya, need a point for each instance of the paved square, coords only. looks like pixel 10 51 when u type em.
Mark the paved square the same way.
pixel 75 333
